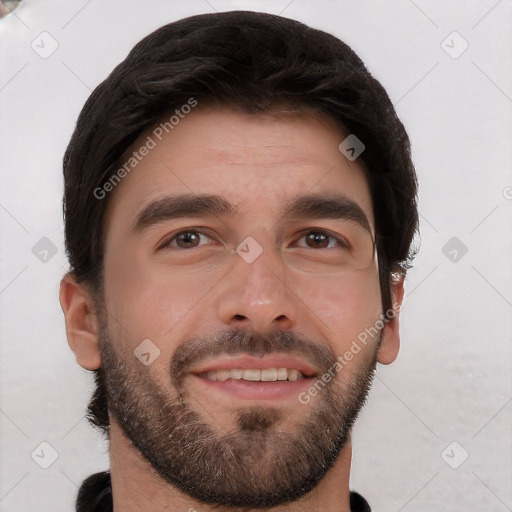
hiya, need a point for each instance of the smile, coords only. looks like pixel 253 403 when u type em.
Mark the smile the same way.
pixel 255 374
pixel 269 377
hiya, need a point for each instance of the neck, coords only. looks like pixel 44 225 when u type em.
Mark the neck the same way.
pixel 136 485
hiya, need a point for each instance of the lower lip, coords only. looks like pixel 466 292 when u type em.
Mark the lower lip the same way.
pixel 257 390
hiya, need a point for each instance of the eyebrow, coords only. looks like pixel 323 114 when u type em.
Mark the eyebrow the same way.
pixel 311 206
pixel 330 206
pixel 186 205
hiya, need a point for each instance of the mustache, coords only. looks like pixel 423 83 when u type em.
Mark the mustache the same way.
pixel 247 342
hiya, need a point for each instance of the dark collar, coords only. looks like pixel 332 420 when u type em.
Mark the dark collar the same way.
pixel 95 495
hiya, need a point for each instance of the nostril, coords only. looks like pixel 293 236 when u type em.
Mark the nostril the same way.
pixel 239 317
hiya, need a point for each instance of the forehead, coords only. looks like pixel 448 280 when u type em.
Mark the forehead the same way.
pixel 256 161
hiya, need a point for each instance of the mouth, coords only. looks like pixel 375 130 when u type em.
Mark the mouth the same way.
pixel 255 374
pixel 270 377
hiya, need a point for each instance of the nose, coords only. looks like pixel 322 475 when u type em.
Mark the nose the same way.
pixel 256 295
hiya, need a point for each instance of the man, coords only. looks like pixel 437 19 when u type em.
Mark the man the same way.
pixel 239 205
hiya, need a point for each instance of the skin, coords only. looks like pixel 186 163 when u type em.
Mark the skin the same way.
pixel 257 163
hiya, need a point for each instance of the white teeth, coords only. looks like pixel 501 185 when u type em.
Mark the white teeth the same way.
pixel 236 373
pixel 255 374
pixel 293 375
pixel 211 375
pixel 282 374
pixel 252 374
pixel 269 374
pixel 223 374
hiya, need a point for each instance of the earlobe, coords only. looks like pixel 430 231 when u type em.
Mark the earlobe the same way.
pixel 82 325
pixel 390 344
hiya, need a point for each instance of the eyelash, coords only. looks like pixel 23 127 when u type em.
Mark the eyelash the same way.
pixel 167 243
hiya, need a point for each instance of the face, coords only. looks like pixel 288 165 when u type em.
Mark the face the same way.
pixel 241 250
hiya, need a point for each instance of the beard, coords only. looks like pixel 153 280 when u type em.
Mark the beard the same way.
pixel 252 464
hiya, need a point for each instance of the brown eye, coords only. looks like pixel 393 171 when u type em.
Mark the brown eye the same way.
pixel 317 240
pixel 187 239
pixel 320 240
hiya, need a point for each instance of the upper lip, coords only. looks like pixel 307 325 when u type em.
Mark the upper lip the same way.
pixel 245 361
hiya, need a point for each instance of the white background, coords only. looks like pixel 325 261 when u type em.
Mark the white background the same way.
pixel 452 380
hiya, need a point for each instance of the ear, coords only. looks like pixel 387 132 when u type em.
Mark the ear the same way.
pixel 82 325
pixel 390 344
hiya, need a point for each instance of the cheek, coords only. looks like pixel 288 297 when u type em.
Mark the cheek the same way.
pixel 346 305
pixel 150 302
